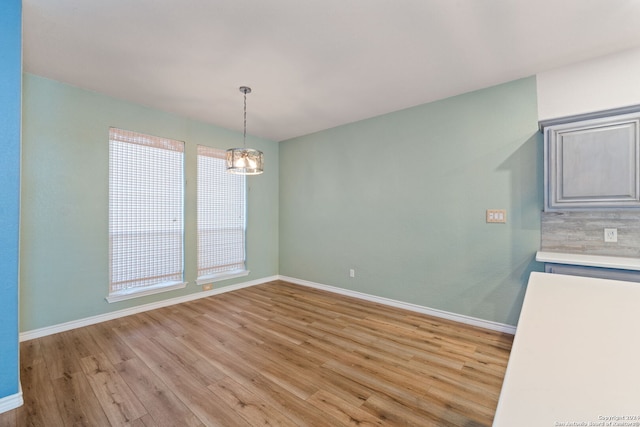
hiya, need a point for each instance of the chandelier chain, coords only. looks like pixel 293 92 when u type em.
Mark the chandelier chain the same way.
pixel 244 134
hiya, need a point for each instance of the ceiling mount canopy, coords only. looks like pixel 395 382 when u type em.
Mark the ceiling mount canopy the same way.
pixel 245 161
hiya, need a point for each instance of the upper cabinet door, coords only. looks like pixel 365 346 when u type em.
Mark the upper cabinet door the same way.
pixel 593 164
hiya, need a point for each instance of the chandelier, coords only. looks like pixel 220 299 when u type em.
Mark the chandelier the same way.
pixel 245 161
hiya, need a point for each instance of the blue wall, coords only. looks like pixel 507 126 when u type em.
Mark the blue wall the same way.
pixel 10 87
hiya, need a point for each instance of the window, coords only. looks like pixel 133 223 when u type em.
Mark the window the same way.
pixel 221 218
pixel 145 214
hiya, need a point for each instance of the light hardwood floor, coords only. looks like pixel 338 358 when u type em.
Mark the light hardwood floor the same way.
pixel 268 355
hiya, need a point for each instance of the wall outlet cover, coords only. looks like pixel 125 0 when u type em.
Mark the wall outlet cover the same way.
pixel 611 235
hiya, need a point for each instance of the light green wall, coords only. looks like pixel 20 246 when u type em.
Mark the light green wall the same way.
pixel 401 198
pixel 64 244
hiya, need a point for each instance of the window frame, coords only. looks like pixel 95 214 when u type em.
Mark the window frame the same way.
pixel 123 166
pixel 207 152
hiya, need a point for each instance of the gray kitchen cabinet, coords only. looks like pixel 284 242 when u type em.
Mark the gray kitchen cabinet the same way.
pixel 593 163
pixel 601 273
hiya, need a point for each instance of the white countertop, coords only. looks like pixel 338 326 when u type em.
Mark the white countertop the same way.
pixel 575 356
pixel 622 263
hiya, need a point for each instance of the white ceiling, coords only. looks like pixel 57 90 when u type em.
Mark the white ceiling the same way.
pixel 312 64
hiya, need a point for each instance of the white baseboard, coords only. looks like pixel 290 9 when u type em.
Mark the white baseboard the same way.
pixel 10 402
pixel 468 320
pixel 49 330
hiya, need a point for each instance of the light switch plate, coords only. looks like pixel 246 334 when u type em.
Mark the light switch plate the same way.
pixel 497 215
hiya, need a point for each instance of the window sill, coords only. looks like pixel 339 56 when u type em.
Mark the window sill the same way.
pixel 141 292
pixel 221 276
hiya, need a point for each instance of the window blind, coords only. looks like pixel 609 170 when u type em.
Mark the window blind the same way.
pixel 221 216
pixel 145 211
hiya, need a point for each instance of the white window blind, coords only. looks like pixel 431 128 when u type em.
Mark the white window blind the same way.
pixel 221 217
pixel 145 213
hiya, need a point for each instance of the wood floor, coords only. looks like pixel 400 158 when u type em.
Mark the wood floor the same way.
pixel 268 355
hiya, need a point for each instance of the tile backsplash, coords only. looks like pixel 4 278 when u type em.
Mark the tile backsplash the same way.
pixel 582 232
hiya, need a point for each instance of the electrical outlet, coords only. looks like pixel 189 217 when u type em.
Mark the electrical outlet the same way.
pixel 352 272
pixel 611 235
